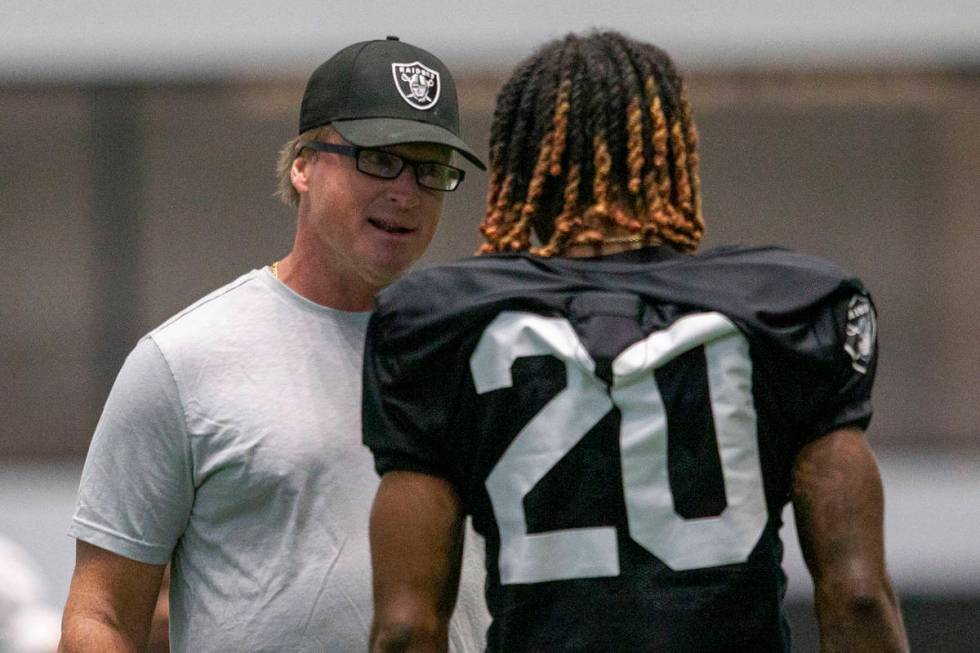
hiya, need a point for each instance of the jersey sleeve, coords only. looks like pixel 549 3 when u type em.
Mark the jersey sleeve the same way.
pixel 826 383
pixel 136 489
pixel 853 350
pixel 410 385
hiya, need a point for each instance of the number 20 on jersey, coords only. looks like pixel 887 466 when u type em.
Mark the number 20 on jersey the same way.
pixel 681 543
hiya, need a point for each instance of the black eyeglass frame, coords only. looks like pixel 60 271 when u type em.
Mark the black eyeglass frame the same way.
pixel 354 151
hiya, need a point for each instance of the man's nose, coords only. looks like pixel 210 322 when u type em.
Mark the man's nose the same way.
pixel 404 190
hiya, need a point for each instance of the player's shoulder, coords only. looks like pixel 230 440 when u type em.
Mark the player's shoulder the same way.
pixel 767 260
pixel 441 302
pixel 783 293
pixel 443 287
pixel 785 279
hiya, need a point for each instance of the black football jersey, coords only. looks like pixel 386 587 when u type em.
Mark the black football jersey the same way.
pixel 622 430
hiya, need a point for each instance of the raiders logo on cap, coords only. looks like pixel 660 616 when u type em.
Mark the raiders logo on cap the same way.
pixel 860 333
pixel 417 84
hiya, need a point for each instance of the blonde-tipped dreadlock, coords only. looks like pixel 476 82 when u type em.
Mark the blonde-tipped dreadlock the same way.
pixel 592 133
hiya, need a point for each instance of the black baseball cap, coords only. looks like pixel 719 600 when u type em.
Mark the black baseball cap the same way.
pixel 385 92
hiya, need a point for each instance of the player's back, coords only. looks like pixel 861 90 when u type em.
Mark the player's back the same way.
pixel 622 431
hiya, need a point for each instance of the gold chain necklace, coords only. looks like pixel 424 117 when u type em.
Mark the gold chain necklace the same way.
pixel 275 269
pixel 627 240
pixel 636 241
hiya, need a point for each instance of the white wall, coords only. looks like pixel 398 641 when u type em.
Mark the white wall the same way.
pixel 98 39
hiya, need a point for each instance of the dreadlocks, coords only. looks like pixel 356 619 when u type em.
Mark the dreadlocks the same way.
pixel 591 133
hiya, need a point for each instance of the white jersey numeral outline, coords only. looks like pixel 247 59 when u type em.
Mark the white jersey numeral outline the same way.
pixel 681 543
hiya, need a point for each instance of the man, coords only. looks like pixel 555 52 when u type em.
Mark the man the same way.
pixel 623 419
pixel 229 443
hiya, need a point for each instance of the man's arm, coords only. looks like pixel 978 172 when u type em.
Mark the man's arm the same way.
pixel 416 549
pixel 110 602
pixel 839 506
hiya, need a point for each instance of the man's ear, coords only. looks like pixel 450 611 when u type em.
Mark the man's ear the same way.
pixel 299 174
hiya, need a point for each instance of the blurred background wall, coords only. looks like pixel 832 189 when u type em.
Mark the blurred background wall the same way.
pixel 137 148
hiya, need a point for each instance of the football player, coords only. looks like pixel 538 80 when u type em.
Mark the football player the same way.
pixel 623 418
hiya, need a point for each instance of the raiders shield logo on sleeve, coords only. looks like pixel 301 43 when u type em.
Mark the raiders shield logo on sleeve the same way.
pixel 860 333
pixel 417 84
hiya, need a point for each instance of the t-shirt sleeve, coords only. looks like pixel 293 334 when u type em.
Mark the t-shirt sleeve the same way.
pixel 409 394
pixel 136 489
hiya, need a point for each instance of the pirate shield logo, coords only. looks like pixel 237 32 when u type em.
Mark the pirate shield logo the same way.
pixel 417 84
pixel 860 333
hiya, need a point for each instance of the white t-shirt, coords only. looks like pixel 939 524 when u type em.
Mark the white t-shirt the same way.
pixel 231 443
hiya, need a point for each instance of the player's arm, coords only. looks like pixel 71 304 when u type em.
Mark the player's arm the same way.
pixel 416 549
pixel 110 602
pixel 839 506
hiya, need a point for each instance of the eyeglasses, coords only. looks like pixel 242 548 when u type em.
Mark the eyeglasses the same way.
pixel 379 163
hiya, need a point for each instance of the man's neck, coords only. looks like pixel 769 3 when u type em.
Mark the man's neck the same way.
pixel 312 281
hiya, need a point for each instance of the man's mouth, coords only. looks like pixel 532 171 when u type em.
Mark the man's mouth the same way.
pixel 389 226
